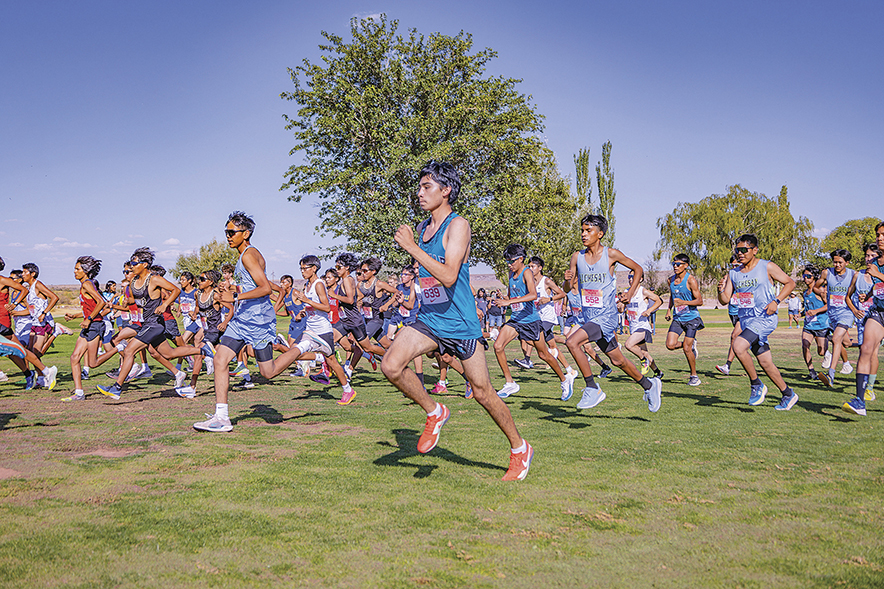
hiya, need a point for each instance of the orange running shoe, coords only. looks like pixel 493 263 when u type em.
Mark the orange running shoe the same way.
pixel 519 464
pixel 430 437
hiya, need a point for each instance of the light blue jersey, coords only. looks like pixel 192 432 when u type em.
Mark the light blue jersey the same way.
pixel 522 312
pixel 682 313
pixel 254 320
pixel 449 312
pixel 836 295
pixel 863 288
pixel 753 292
pixel 598 290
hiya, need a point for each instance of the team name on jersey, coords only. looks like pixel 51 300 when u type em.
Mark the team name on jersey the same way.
pixel 595 277
pixel 747 283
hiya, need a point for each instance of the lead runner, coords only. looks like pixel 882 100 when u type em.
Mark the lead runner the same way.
pixel 448 321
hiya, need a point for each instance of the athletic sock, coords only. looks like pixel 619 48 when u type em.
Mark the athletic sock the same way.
pixel 755 382
pixel 521 448
pixel 728 364
pixel 862 382
pixel 590 382
pixel 872 380
pixel 645 382
pixel 832 374
pixel 347 388
pixel 420 375
pixel 221 410
pixel 436 412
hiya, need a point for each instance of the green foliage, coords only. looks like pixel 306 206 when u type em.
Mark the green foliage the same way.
pixel 706 230
pixel 583 179
pixel 851 236
pixel 377 108
pixel 211 255
pixel 604 176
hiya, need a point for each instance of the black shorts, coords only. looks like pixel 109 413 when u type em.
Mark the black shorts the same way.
pixel 459 348
pixel 152 334
pixel 96 329
pixel 5 330
pixel 548 330
pixel 212 336
pixel 755 345
pixel 875 315
pixel 171 327
pixel 734 319
pixel 265 354
pixel 354 326
pixel 374 328
pixel 596 336
pixel 688 328
pixel 823 333
pixel 649 338
pixel 529 332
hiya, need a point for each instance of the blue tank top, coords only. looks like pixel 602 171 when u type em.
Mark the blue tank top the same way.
pixel 598 291
pixel 522 312
pixel 293 309
pixel 836 295
pixel 863 287
pixel 753 292
pixel 574 303
pixel 251 311
pixel 681 291
pixel 449 312
pixel 410 314
pixel 811 303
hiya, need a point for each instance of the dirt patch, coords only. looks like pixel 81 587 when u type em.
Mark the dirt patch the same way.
pixel 8 473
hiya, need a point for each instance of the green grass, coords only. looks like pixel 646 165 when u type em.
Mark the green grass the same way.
pixel 709 492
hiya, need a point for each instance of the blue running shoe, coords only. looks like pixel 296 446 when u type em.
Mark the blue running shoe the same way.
pixel 468 392
pixel 788 401
pixel 320 378
pixel 606 372
pixel 112 391
pixel 208 349
pixel 30 381
pixel 591 398
pixel 758 393
pixel 855 405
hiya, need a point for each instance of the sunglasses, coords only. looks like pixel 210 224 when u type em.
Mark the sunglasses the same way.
pixel 741 250
pixel 202 278
pixel 806 276
pixel 676 264
pixel 232 232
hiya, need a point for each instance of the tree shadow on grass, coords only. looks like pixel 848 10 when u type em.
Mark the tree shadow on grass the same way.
pixel 714 401
pixel 406 447
pixel 270 415
pixel 560 414
pixel 5 418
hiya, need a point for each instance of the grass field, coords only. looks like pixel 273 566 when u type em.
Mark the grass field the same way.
pixel 709 492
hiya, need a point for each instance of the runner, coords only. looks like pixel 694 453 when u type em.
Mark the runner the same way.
pixel 638 310
pixel 794 306
pixel 837 280
pixel 206 318
pixel 593 270
pixel 524 323
pixel 40 300
pixel 752 287
pixel 92 327
pixel 816 318
pixel 873 331
pixel 187 304
pixel 448 321
pixel 861 300
pixel 575 321
pixel 685 297
pixel 732 313
pixel 12 295
pixel 352 321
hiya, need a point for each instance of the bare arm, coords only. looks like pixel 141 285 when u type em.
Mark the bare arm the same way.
pixel 617 257
pixel 774 272
pixel 456 242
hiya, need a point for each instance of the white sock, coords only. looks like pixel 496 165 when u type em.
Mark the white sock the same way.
pixel 436 412
pixel 221 410
pixel 555 353
pixel 46 371
pixel 180 372
pixel 79 392
pixel 347 388
pixel 320 358
pixel 521 448
pixel 444 383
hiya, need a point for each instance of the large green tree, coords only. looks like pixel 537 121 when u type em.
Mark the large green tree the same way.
pixel 706 230
pixel 211 256
pixel 852 236
pixel 377 107
pixel 604 176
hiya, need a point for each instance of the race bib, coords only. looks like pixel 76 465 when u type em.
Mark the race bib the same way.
pixel 404 312
pixel 186 307
pixel 681 309
pixel 136 316
pixel 433 291
pixel 878 289
pixel 366 312
pixel 633 316
pixel 867 304
pixel 203 324
pixel 591 298
pixel 837 301
pixel 744 300
pixel 516 307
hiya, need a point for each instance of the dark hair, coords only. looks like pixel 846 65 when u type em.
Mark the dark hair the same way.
pixel 733 258
pixel 213 275
pixel 157 270
pixel 228 268
pixel 240 219
pixel 408 268
pixel 187 275
pixel 2 264
pixel 349 260
pixel 513 251
pixel 682 258
pixel 597 220
pixel 878 226
pixel 374 264
pixel 110 284
pixel 289 276
pixel 90 266
pixel 866 248
pixel 536 260
pixel 142 255
pixel 841 253
pixel 747 238
pixel 333 272
pixel 15 273
pixel 311 260
pixel 445 175
pixel 814 271
pixel 32 268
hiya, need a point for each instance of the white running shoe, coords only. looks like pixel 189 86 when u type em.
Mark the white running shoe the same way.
pixel 568 385
pixel 49 378
pixel 654 395
pixel 827 360
pixel 508 389
pixel 846 368
pixel 179 379
pixel 591 398
pixel 214 424
pixel 187 392
pixel 210 365
pixel 723 368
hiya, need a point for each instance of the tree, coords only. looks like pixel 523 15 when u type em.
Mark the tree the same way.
pixel 604 176
pixel 211 256
pixel 377 108
pixel 583 179
pixel 852 236
pixel 706 230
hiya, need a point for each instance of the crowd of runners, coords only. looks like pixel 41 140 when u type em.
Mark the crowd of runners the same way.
pixel 229 315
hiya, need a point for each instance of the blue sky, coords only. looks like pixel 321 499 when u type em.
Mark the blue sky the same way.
pixel 129 124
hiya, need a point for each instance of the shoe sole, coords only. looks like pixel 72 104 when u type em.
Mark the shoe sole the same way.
pixel 788 406
pixel 113 396
pixel 222 429
pixel 348 401
pixel 850 409
pixel 601 398
pixel 824 378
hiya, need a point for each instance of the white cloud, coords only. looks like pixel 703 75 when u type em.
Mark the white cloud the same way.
pixel 76 244
pixel 376 16
pixel 42 246
pixel 60 239
pixel 122 244
pixel 171 241
pixel 15 244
